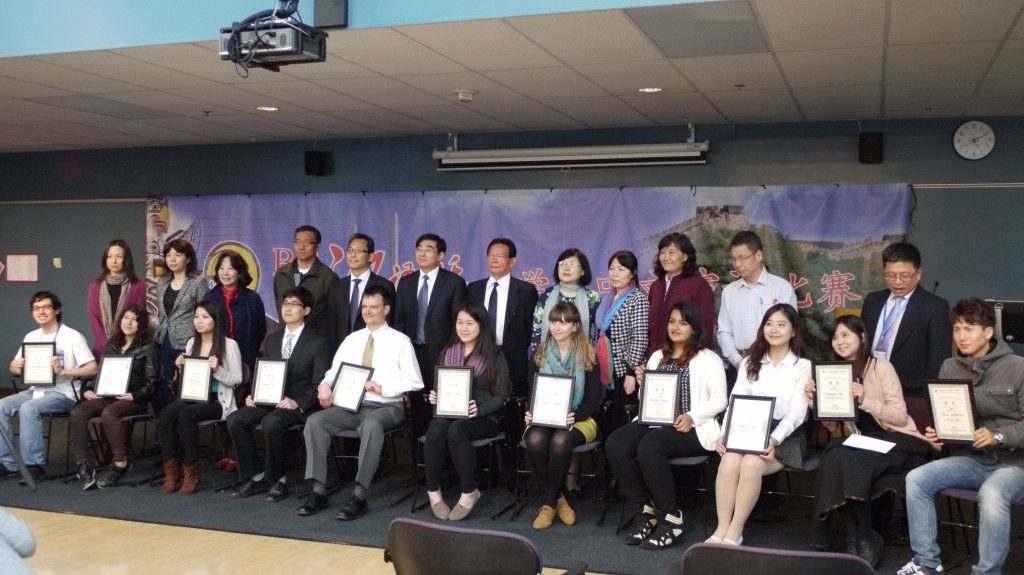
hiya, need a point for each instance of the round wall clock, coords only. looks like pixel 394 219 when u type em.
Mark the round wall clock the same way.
pixel 974 140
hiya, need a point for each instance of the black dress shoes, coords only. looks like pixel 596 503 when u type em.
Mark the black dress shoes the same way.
pixel 278 492
pixel 314 503
pixel 352 509
pixel 249 488
pixel 38 473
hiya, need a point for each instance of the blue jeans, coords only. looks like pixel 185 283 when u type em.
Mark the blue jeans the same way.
pixel 30 412
pixel 999 486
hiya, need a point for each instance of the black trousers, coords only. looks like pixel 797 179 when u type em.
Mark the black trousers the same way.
pixel 550 450
pixel 177 427
pixel 455 436
pixel 639 457
pixel 276 422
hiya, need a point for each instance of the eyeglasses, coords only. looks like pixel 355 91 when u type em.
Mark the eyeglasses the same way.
pixel 740 259
pixel 292 304
pixel 497 257
pixel 356 251
pixel 44 307
pixel 568 265
pixel 425 250
pixel 304 243
pixel 902 276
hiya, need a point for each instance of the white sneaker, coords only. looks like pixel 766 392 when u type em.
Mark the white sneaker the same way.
pixel 914 568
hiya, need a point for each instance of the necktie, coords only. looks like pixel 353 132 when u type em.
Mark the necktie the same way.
pixel 888 322
pixel 492 308
pixel 288 341
pixel 421 312
pixel 353 305
pixel 368 352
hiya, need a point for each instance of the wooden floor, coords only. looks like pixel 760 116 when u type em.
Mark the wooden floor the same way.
pixel 68 543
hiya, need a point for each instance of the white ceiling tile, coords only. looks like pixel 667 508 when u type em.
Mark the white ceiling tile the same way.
pixel 482 45
pixel 1018 30
pixel 456 118
pixel 817 25
pixel 746 106
pixel 958 62
pixel 444 86
pixel 672 108
pixel 266 125
pixel 603 112
pixel 329 126
pixel 230 97
pixel 528 115
pixel 840 102
pixel 387 52
pixel 936 21
pixel 111 65
pixel 1010 61
pixel 41 110
pixel 923 113
pixel 585 37
pixel 47 74
pixel 205 127
pixel 999 97
pixel 542 83
pixel 721 73
pixel 154 133
pixel 381 91
pixel 935 95
pixel 387 121
pixel 193 59
pixel 625 78
pixel 333 67
pixel 11 88
pixel 837 67
pixel 167 102
pixel 701 28
pixel 309 95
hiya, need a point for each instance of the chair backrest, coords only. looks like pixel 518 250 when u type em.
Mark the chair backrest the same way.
pixel 421 548
pixel 709 559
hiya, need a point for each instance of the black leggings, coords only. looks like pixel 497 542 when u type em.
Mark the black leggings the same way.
pixel 550 450
pixel 177 427
pixel 639 456
pixel 455 436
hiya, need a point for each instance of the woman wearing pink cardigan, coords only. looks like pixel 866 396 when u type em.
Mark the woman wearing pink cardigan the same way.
pixel 116 289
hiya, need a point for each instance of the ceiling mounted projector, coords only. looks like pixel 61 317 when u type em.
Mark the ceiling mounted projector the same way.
pixel 271 39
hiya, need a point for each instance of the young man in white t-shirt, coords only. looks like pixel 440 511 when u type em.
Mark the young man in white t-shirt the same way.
pixel 74 359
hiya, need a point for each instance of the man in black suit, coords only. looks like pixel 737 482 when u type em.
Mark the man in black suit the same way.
pixel 308 355
pixel 511 308
pixel 908 326
pixel 343 312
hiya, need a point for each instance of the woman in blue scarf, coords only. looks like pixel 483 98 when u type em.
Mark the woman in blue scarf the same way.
pixel 622 321
pixel 565 351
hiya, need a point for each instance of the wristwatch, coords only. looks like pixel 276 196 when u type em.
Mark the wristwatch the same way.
pixel 1000 437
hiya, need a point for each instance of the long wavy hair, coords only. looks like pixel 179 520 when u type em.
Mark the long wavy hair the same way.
pixel 761 346
pixel 856 325
pixel 145 334
pixel 486 347
pixel 580 343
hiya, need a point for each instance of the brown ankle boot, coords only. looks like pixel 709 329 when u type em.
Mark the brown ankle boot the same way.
pixel 172 474
pixel 191 482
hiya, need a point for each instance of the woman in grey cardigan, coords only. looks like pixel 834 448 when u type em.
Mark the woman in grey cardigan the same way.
pixel 178 292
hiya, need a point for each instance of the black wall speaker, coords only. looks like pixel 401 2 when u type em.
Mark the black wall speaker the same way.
pixel 870 147
pixel 318 163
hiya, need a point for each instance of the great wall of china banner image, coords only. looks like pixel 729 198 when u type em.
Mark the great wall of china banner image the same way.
pixel 826 239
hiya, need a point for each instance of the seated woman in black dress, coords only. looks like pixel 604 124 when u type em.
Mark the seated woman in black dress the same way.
pixel 639 454
pixel 565 350
pixel 472 345
pixel 846 476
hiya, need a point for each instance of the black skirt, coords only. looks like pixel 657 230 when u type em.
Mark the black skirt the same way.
pixel 848 473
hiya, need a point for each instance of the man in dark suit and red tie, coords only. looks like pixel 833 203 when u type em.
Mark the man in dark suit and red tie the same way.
pixel 343 313
pixel 510 303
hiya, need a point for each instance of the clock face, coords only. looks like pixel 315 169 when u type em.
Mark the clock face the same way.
pixel 974 140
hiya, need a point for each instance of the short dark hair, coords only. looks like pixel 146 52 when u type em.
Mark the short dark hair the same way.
pixel 237 262
pixel 182 246
pixel 307 228
pixel 128 266
pixel 380 290
pixel 442 246
pixel 504 241
pixel 586 278
pixel 974 311
pixel 747 238
pixel 304 296
pixel 626 259
pixel 684 245
pixel 369 241
pixel 902 252
pixel 41 295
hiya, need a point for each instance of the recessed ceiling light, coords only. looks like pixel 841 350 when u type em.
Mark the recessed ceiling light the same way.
pixel 267 108
pixel 651 90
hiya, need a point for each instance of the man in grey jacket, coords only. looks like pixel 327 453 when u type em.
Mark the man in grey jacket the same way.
pixel 994 465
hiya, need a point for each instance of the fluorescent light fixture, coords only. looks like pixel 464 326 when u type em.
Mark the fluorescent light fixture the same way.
pixel 685 153
pixel 650 90
pixel 267 108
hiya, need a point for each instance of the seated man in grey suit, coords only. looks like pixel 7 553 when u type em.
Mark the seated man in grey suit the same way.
pixel 395 372
pixel 308 356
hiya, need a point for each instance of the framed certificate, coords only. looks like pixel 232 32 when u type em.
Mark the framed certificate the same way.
pixel 38 363
pixel 749 423
pixel 551 400
pixel 114 375
pixel 833 391
pixel 454 387
pixel 268 381
pixel 195 379
pixel 659 397
pixel 350 386
pixel 953 410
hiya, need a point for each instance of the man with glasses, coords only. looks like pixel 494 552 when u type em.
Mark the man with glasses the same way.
pixel 745 300
pixel 510 303
pixel 343 305
pixel 908 326
pixel 308 271
pixel 73 359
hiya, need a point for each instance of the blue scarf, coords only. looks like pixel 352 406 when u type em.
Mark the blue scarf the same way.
pixel 555 365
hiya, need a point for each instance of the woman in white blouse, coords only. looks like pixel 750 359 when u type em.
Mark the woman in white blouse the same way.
pixel 772 368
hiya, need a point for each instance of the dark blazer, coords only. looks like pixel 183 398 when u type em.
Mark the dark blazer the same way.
pixel 518 328
pixel 338 308
pixel 924 339
pixel 446 297
pixel 250 321
pixel 310 359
